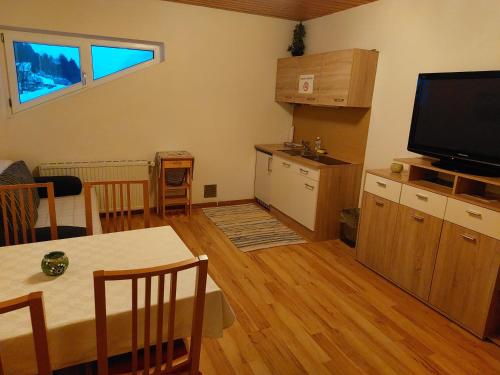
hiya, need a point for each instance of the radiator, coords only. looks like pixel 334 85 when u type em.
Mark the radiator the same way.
pixel 104 171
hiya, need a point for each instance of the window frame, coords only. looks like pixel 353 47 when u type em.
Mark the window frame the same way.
pixel 86 65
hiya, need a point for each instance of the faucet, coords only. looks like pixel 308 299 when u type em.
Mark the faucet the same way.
pixel 307 147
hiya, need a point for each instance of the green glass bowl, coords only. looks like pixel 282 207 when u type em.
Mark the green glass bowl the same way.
pixel 54 263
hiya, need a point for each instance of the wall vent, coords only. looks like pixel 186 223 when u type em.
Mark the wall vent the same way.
pixel 210 191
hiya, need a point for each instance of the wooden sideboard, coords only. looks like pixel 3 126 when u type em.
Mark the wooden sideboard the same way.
pixel 436 234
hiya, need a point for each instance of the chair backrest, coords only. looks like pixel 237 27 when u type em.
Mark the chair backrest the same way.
pixel 35 303
pixel 119 206
pixel 189 362
pixel 17 210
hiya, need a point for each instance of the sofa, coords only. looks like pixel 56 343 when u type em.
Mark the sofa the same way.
pixel 69 203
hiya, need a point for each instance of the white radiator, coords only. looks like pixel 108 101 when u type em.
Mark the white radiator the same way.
pixel 104 171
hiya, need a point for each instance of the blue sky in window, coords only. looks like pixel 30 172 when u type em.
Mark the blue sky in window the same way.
pixel 110 60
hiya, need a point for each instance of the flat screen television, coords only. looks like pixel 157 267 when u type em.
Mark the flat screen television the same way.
pixel 456 118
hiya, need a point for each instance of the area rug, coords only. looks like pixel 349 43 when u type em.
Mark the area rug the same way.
pixel 249 227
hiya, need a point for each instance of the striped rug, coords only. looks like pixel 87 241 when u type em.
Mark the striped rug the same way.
pixel 249 227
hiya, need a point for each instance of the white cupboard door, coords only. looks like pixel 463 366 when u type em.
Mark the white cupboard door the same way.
pixel 263 171
pixel 305 192
pixel 281 193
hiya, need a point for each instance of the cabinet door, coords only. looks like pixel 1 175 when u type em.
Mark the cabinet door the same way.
pixel 309 66
pixel 287 81
pixel 281 194
pixel 376 232
pixel 465 276
pixel 263 177
pixel 305 199
pixel 336 71
pixel 416 241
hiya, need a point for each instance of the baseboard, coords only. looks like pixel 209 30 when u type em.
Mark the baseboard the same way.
pixel 223 203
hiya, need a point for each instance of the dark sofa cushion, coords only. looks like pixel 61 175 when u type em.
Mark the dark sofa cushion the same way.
pixel 18 173
pixel 63 185
pixel 43 234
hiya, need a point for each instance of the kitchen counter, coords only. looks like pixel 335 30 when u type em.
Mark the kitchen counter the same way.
pixel 275 149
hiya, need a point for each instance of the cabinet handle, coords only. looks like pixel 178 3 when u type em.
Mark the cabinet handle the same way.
pixel 422 197
pixel 469 238
pixel 380 204
pixel 269 160
pixel 381 184
pixel 311 99
pixel 418 218
pixel 474 213
pixel 310 187
pixel 338 100
pixel 304 171
pixel 286 165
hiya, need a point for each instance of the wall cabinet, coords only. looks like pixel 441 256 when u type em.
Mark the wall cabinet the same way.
pixel 465 276
pixel 435 243
pixel 340 78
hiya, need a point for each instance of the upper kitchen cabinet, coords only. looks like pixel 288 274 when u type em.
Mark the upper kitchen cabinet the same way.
pixel 339 79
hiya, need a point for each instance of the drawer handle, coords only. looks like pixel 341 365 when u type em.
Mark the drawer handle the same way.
pixel 310 187
pixel 311 99
pixel 338 100
pixel 418 218
pixel 380 204
pixel 422 197
pixel 303 171
pixel 474 213
pixel 469 238
pixel 381 184
pixel 286 165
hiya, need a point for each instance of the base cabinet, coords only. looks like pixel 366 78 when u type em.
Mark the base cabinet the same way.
pixel 376 232
pixel 443 250
pixel 465 276
pixel 414 251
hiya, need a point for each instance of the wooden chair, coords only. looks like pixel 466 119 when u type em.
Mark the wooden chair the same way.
pixel 115 215
pixel 188 363
pixel 13 199
pixel 35 303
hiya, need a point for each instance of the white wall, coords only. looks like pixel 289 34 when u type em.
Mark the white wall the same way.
pixel 213 96
pixel 413 37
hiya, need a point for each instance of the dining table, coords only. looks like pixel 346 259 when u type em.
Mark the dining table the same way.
pixel 69 298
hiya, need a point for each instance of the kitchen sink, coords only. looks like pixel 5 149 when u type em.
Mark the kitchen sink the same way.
pixel 292 152
pixel 325 159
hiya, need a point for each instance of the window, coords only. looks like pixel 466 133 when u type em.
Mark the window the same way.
pixel 42 67
pixel 111 60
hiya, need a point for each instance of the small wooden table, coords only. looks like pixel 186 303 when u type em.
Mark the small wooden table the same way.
pixel 175 175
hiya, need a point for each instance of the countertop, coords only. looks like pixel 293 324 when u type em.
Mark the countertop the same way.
pixel 274 149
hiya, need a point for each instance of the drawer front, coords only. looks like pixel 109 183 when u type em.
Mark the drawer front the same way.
pixel 476 218
pixel 177 163
pixel 423 200
pixel 383 187
pixel 313 174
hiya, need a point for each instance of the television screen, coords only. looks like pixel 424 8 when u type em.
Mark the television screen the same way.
pixel 457 115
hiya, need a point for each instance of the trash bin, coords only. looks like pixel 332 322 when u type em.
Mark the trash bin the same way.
pixel 349 219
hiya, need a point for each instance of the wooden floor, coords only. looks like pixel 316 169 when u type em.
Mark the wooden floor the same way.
pixel 312 309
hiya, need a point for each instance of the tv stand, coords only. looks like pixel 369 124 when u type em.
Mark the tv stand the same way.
pixel 467 167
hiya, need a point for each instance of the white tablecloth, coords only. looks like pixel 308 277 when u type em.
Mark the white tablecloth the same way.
pixel 69 299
